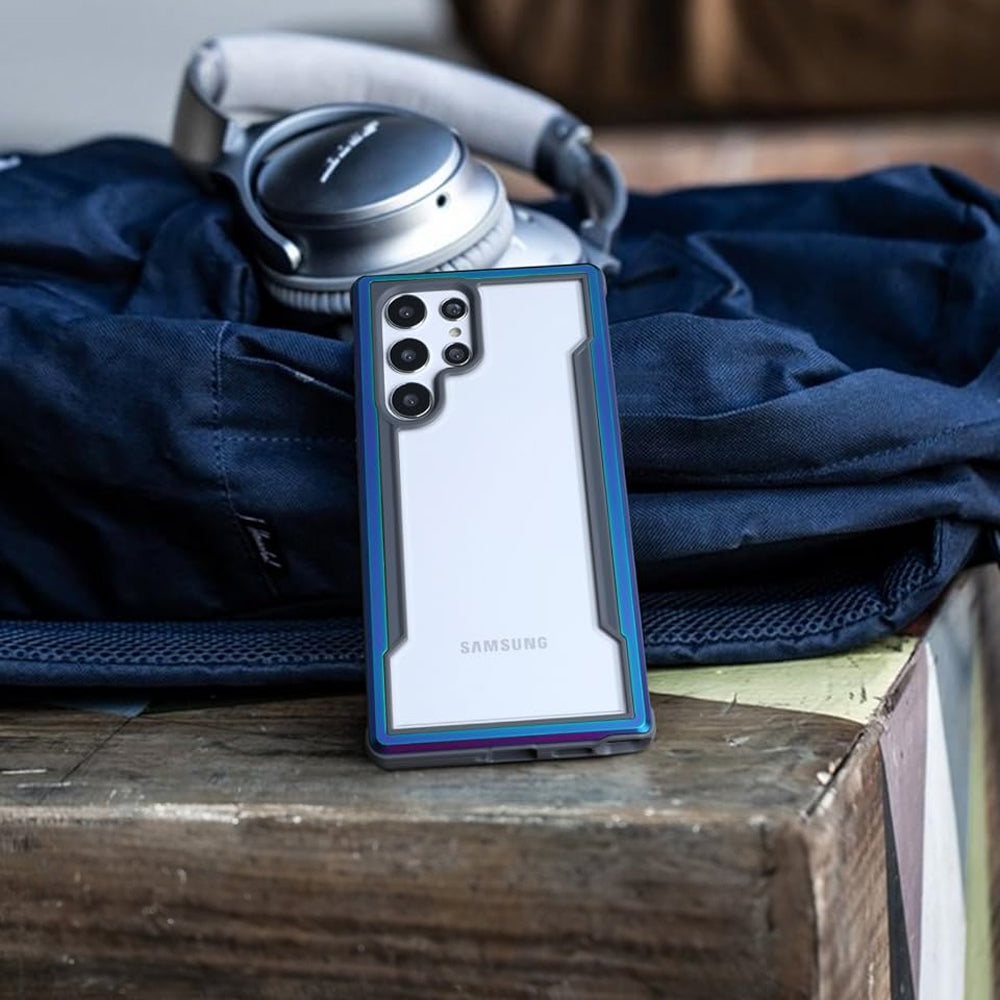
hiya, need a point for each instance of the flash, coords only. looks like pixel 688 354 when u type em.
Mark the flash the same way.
pixel 454 332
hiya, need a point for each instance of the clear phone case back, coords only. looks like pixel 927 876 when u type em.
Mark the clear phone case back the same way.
pixel 501 609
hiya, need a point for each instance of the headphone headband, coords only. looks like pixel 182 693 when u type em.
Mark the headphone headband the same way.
pixel 281 72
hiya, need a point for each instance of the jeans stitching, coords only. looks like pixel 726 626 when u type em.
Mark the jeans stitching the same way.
pixel 220 460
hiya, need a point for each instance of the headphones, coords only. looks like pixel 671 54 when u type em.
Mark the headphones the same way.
pixel 367 169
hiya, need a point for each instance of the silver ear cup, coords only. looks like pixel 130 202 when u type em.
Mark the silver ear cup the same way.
pixel 356 190
pixel 484 252
pixel 540 240
pixel 367 191
pixel 523 238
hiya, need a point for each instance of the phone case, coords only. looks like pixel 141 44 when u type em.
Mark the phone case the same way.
pixel 501 611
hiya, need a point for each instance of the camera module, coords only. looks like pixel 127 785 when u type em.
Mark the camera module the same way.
pixel 411 400
pixel 408 355
pixel 453 308
pixel 406 311
pixel 456 354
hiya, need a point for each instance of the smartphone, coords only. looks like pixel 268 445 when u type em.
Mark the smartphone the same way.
pixel 501 613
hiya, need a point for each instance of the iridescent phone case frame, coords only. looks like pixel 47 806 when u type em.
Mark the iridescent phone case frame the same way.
pixel 506 504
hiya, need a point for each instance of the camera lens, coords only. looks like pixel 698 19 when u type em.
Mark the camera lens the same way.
pixel 456 354
pixel 406 311
pixel 411 400
pixel 453 308
pixel 408 355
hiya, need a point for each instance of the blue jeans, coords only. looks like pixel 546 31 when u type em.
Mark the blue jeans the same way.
pixel 808 378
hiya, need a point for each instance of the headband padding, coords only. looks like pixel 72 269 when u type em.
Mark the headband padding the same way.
pixel 279 72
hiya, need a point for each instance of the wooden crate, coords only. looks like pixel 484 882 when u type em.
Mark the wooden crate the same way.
pixel 817 829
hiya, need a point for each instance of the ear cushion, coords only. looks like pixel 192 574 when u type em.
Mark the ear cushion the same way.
pixel 485 251
pixel 306 300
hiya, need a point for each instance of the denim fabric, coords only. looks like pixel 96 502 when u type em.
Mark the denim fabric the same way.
pixel 808 378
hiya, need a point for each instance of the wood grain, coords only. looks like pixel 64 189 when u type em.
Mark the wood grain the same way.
pixel 256 837
pixel 847 872
pixel 621 909
pixel 990 631
pixel 308 751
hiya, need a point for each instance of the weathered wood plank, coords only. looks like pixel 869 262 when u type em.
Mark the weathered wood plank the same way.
pixel 38 758
pixel 990 631
pixel 248 835
pixel 709 755
pixel 607 908
pixel 847 872
pixel 849 686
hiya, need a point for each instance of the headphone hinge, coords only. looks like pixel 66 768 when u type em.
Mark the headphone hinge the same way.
pixel 566 161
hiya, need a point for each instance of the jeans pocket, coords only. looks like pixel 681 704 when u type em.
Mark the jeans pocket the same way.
pixel 286 441
pixel 661 274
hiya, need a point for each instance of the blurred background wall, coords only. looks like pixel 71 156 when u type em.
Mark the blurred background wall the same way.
pixel 73 69
pixel 686 91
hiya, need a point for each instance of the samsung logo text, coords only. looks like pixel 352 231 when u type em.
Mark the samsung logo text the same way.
pixel 503 645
